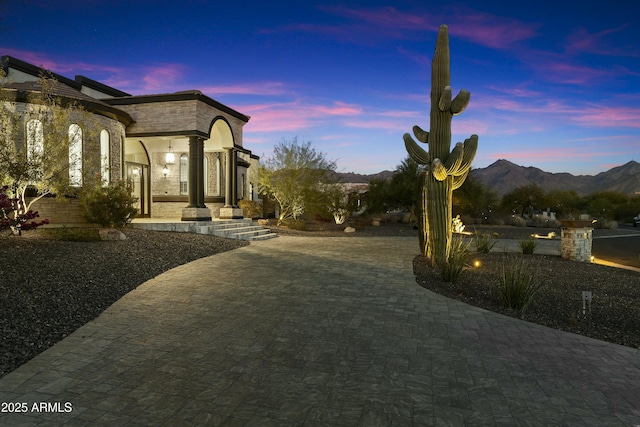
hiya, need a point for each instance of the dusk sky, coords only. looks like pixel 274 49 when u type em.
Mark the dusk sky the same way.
pixel 554 84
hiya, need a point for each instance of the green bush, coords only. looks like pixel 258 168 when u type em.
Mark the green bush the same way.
pixel 517 285
pixel 458 257
pixel 109 206
pixel 528 246
pixel 484 242
pixel 250 208
pixel 295 224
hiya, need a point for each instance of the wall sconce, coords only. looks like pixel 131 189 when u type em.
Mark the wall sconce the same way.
pixel 170 158
pixel 165 171
pixel 135 171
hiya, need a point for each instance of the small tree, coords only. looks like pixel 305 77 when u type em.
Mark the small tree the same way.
pixel 17 223
pixel 109 206
pixel 38 130
pixel 339 204
pixel 294 176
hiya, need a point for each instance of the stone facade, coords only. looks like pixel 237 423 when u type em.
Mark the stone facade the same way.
pixel 575 244
pixel 59 212
pixel 142 129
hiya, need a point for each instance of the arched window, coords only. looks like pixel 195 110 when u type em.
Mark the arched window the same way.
pixel 105 156
pixel 35 143
pixel 75 155
pixel 184 174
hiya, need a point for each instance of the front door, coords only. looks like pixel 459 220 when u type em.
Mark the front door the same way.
pixel 138 175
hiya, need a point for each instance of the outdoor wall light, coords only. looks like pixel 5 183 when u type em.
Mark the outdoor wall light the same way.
pixel 135 171
pixel 165 171
pixel 169 158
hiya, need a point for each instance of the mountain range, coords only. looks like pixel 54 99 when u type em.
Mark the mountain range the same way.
pixel 504 176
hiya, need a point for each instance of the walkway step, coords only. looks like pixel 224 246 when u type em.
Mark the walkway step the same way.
pixel 239 229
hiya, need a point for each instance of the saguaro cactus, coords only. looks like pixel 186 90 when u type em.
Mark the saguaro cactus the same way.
pixel 445 170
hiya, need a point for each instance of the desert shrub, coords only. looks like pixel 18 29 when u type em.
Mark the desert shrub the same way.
pixel 109 206
pixel 458 257
pixel 71 234
pixel 250 208
pixel 517 284
pixel 528 246
pixel 295 224
pixel 517 221
pixel 484 242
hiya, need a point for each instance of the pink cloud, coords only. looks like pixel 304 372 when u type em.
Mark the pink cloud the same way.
pixel 161 77
pixel 367 24
pixel 582 41
pixel 66 68
pixel 295 115
pixel 490 30
pixel 602 116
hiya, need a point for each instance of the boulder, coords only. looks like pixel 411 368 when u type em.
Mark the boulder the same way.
pixel 349 230
pixel 111 234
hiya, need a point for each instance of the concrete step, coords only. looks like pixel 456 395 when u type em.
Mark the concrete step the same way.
pixel 240 229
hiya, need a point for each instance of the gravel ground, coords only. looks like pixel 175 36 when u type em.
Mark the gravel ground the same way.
pixel 614 315
pixel 49 288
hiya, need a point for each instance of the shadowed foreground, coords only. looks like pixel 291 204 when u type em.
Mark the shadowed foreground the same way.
pixel 316 331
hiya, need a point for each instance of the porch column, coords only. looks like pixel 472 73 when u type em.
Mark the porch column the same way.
pixel 199 171
pixel 196 210
pixel 230 209
pixel 234 179
pixel 229 201
pixel 193 172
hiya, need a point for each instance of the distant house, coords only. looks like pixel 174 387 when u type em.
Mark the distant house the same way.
pixel 183 151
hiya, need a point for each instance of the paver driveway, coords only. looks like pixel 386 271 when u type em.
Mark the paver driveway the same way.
pixel 318 331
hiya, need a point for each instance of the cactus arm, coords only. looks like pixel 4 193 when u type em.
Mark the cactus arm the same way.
pixel 459 180
pixel 452 164
pixel 416 152
pixel 422 135
pixel 438 170
pixel 460 102
pixel 470 147
pixel 445 99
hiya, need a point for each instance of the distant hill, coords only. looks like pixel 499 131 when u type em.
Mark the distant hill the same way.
pixel 356 178
pixel 504 176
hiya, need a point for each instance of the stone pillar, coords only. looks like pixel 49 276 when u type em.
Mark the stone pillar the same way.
pixel 234 178
pixel 199 164
pixel 193 173
pixel 230 209
pixel 575 243
pixel 196 209
pixel 228 178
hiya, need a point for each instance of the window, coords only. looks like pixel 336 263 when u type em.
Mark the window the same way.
pixel 35 144
pixel 184 174
pixel 105 156
pixel 75 155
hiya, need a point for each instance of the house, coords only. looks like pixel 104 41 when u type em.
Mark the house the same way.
pixel 182 151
